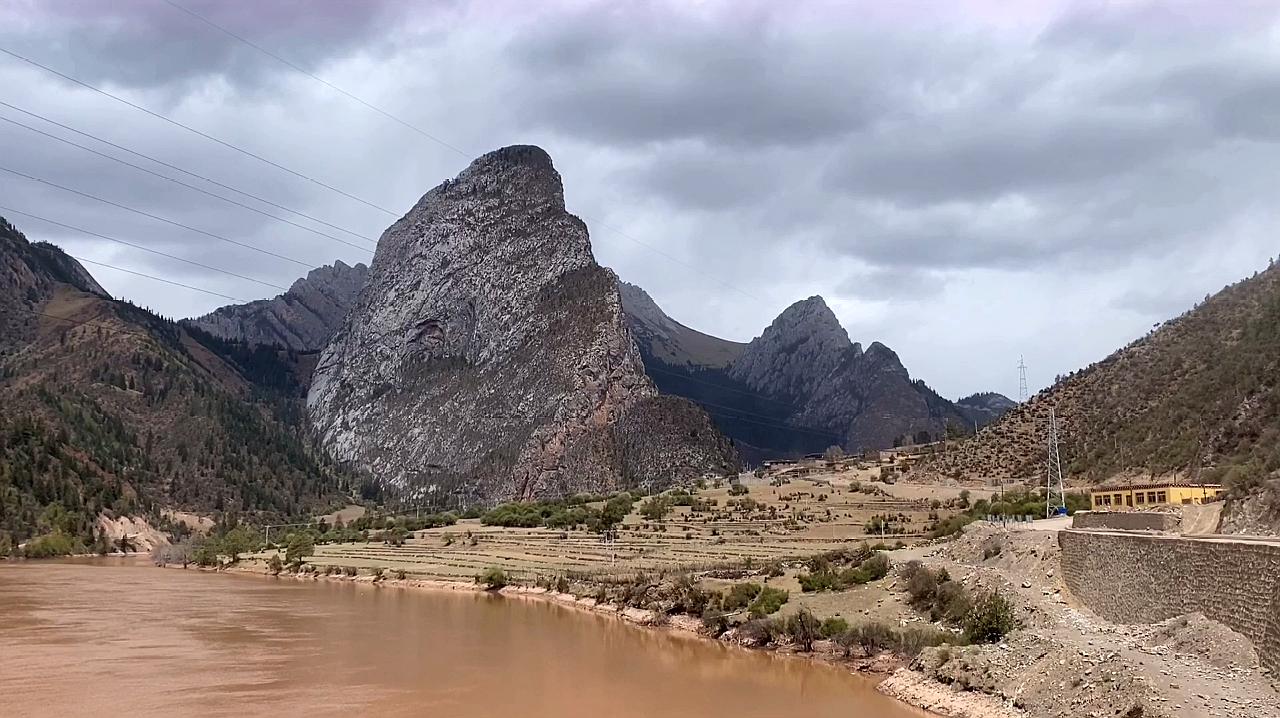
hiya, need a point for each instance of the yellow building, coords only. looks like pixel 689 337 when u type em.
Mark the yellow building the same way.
pixel 1126 498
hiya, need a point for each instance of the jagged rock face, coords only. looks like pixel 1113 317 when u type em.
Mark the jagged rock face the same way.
pixel 488 350
pixel 795 354
pixel 302 319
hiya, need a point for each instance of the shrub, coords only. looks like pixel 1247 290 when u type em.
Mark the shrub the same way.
pixel 49 545
pixel 833 627
pixel 275 565
pixel 6 545
pixel 921 584
pixel 349 570
pixel 760 631
pixel 824 578
pixel 989 619
pixel 768 601
pixel 909 641
pixel 493 578
pixel 655 508
pixel 688 598
pixel 378 574
pixel 738 490
pixel 822 581
pixel 714 621
pixel 951 526
pixel 803 629
pixel 400 574
pixel 872 637
pixel 741 595
pixel 951 603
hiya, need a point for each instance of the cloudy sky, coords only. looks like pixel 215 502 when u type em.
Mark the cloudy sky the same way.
pixel 965 183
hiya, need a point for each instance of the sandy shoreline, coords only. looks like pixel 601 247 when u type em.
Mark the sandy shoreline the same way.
pixel 892 677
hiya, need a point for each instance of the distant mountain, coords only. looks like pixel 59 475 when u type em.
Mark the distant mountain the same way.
pixel 488 354
pixel 108 407
pixel 302 319
pixel 800 386
pixel 669 341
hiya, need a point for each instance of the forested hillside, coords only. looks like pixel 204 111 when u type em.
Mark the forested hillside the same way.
pixel 109 407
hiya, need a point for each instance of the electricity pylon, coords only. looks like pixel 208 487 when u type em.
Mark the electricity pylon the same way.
pixel 1055 497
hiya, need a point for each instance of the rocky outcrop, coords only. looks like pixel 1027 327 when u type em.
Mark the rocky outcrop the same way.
pixel 302 319
pixel 488 351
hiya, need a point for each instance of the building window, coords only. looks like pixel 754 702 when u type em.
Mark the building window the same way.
pixel 1141 498
pixel 1128 499
pixel 1151 497
pixel 1161 497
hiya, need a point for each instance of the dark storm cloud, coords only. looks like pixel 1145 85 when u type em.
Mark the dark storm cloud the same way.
pixel 1004 160
pixel 629 76
pixel 152 44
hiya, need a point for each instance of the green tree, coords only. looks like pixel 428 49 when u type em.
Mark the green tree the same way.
pixel 299 546
pixel 241 539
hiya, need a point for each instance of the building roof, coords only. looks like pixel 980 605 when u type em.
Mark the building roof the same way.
pixel 1147 487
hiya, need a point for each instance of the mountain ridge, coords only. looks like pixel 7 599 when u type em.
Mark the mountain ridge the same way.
pixel 302 318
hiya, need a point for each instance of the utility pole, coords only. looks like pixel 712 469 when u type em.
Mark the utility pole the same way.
pixel 1055 496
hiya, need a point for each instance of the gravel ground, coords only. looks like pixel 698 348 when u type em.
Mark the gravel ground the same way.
pixel 1066 661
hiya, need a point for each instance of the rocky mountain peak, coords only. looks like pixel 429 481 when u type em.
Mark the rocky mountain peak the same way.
pixel 794 353
pixel 488 351
pixel 302 319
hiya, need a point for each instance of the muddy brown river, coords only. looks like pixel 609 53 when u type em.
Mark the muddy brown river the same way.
pixel 115 637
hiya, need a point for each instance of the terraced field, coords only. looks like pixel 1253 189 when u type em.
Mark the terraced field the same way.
pixel 787 521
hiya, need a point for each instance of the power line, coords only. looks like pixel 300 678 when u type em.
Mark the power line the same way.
pixel 193 130
pixel 139 246
pixel 802 429
pixel 155 217
pixel 184 184
pixel 718 386
pixel 158 279
pixel 187 172
pixel 442 143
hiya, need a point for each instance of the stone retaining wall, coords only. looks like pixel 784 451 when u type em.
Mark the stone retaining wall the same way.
pixel 1127 520
pixel 1142 578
